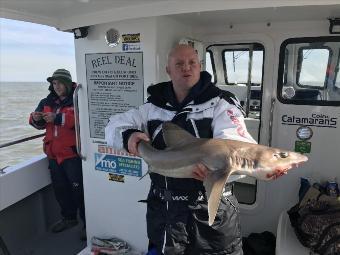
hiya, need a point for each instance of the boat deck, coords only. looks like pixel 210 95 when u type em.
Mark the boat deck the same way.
pixel 65 243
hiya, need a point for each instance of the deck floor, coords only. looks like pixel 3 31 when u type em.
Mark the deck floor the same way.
pixel 65 243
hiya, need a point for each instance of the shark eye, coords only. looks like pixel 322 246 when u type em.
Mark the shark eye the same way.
pixel 280 155
pixel 283 154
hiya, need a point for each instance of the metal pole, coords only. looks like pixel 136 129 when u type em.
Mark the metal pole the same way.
pixel 21 140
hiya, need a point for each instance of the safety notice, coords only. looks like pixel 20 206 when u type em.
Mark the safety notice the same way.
pixel 115 84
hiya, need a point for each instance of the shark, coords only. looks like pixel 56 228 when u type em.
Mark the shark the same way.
pixel 224 157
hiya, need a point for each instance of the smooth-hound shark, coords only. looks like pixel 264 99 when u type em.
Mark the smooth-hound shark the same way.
pixel 222 156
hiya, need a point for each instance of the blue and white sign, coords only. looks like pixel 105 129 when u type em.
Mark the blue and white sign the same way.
pixel 118 164
pixel 131 47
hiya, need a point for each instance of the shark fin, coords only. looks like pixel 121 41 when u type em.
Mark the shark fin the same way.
pixel 214 184
pixel 175 136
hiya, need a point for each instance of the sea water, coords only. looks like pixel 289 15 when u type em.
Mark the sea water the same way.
pixel 17 101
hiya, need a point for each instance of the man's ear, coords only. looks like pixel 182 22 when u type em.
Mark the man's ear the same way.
pixel 167 70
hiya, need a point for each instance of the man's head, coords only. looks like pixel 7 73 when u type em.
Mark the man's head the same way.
pixel 61 81
pixel 183 68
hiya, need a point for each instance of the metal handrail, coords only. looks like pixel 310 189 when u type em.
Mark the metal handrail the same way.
pixel 271 120
pixel 76 121
pixel 250 67
pixel 21 140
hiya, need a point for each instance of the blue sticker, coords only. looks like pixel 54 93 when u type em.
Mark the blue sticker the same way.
pixel 125 47
pixel 118 164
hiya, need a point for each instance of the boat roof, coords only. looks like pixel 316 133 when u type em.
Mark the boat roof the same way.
pixel 68 14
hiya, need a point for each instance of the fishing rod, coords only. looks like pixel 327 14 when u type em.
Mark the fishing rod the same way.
pixel 21 140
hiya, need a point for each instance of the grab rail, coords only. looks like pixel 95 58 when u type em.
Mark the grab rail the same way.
pixel 21 140
pixel 76 121
pixel 271 119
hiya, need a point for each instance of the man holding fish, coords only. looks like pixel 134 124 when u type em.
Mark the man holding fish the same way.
pixel 191 209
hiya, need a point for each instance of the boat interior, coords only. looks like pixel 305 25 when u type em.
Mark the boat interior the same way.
pixel 262 51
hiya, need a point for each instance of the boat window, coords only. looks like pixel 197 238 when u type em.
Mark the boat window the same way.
pixel 236 66
pixel 285 67
pixel 309 71
pixel 231 64
pixel 337 73
pixel 209 66
pixel 312 67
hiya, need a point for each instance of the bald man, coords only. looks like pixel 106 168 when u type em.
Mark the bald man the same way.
pixel 177 212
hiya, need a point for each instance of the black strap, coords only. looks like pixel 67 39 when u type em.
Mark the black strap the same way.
pixel 177 195
pixel 182 195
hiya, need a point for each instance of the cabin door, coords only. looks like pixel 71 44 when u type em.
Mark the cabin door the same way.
pixel 305 114
pixel 238 68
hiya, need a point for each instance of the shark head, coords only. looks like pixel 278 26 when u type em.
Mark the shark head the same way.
pixel 272 163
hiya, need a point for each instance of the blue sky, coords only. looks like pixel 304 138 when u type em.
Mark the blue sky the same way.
pixel 31 52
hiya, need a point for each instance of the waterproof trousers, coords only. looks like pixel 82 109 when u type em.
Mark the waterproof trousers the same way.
pixel 67 183
pixel 179 226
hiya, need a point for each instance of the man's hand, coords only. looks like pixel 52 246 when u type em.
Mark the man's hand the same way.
pixel 37 116
pixel 200 172
pixel 49 117
pixel 133 141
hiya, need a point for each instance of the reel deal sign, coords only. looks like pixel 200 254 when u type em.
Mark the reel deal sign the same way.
pixel 115 84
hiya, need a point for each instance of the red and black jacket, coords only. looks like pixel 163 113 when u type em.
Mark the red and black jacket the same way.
pixel 60 139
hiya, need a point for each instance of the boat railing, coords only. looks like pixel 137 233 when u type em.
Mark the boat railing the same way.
pixel 22 140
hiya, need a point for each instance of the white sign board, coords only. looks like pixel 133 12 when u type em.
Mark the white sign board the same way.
pixel 115 84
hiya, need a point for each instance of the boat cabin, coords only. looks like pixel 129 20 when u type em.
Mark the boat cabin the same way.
pixel 280 58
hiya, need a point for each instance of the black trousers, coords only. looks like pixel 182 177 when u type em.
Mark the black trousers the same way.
pixel 181 227
pixel 67 183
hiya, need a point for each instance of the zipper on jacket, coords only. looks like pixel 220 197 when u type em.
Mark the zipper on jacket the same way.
pixel 166 224
pixel 55 126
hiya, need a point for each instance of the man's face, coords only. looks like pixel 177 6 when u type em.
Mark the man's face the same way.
pixel 183 67
pixel 59 88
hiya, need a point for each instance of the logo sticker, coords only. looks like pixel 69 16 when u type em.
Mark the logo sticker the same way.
pixel 315 119
pixel 131 47
pixel 131 38
pixel 118 164
pixel 303 146
pixel 116 177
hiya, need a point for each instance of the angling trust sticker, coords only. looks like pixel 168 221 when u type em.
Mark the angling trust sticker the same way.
pixel 117 162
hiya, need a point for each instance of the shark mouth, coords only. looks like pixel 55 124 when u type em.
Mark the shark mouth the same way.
pixel 280 171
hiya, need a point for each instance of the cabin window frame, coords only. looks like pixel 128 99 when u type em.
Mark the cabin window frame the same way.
pixel 213 67
pixel 284 44
pixel 285 67
pixel 337 71
pixel 257 47
pixel 299 67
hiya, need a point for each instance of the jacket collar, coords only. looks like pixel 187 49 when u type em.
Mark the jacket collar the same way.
pixel 163 95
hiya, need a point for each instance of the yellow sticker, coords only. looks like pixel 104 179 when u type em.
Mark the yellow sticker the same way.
pixel 116 177
pixel 131 38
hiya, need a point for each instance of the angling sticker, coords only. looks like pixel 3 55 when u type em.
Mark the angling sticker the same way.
pixel 118 164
